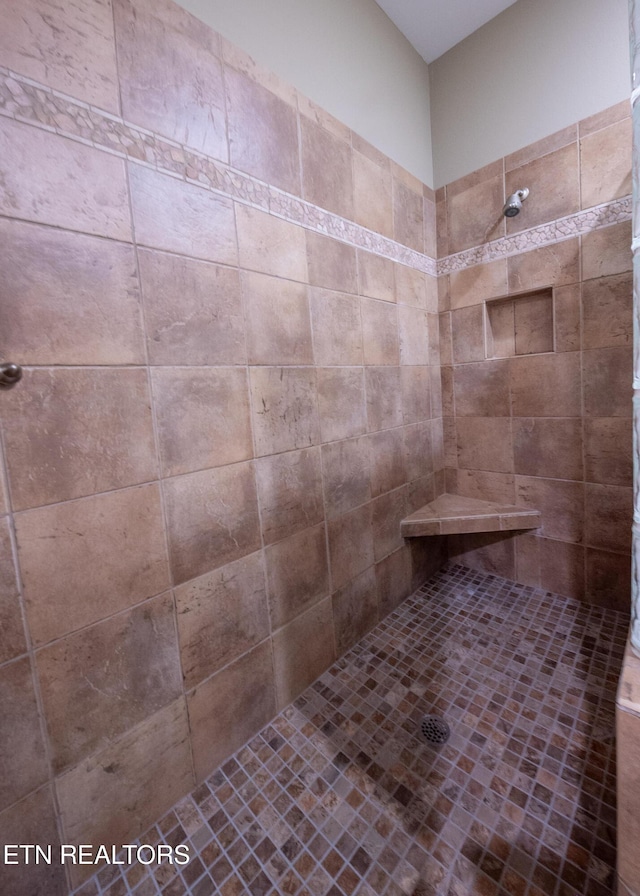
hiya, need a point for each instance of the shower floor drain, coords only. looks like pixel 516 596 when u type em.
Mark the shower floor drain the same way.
pixel 434 730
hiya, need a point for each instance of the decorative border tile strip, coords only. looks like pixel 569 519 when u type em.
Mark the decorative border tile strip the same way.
pixel 28 101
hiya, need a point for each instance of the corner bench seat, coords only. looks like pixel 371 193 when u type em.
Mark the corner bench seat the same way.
pixel 453 514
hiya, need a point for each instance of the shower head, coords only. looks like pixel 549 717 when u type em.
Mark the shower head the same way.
pixel 514 203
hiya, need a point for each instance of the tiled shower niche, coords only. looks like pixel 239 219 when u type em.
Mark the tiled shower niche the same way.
pixel 520 324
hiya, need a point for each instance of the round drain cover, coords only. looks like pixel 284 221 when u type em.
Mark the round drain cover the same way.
pixel 434 730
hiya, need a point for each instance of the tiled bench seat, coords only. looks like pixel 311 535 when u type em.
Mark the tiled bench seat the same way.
pixel 454 514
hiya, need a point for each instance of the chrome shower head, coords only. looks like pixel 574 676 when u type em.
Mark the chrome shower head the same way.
pixel 513 205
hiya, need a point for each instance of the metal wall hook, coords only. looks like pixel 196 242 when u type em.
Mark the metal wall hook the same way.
pixel 10 374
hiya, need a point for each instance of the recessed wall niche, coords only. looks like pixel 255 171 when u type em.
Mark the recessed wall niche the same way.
pixel 520 325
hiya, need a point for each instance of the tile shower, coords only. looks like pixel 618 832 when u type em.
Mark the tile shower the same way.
pixel 242 370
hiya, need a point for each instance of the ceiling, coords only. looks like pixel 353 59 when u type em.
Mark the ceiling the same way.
pixel 434 26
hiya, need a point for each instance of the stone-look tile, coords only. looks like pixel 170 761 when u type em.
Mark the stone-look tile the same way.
pixel 302 651
pixel 607 251
pixel 85 560
pixel 387 460
pixel 603 183
pixel 221 615
pixel 415 383
pixel 475 213
pixel 228 708
pixel 607 312
pixel 411 288
pixel 328 185
pixel 314 113
pixel 376 276
pixel 98 683
pixel 500 322
pixel 290 493
pixel 271 245
pixel 422 491
pixel 372 195
pixel 442 224
pixel 284 408
pixel 263 132
pixel 202 417
pixel 605 118
pixel 380 332
pixel 608 580
pixel 533 323
pixel 408 216
pixel 346 475
pixel 541 148
pixel 73 51
pixel 449 427
pixel 355 609
pixel 388 511
pixel 492 552
pixel 561 504
pixel 350 545
pixel 528 559
pixel 337 328
pixel 482 389
pixel 384 397
pixel 556 265
pixel 419 458
pixel 212 519
pixel 484 443
pixel 193 311
pixel 170 75
pixel 546 385
pixel 51 180
pixel 180 217
pixel 554 188
pixel 562 568
pixel 332 264
pixel 430 239
pixel 567 308
pixel 446 338
pixel 608 514
pixel 54 287
pixel 278 320
pixel 23 760
pixel 297 574
pixel 496 487
pixel 608 450
pixel 393 577
pixel 33 820
pixel 607 376
pixel 341 403
pixel 13 641
pixel 479 283
pixel 121 790
pixel 467 329
pixel 548 446
pixel 241 61
pixel 435 387
pixel 73 432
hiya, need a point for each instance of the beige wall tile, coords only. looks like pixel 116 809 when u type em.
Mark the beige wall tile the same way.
pixel 567 309
pixel 330 186
pixel 384 398
pixel 193 311
pixel 603 183
pixel 13 641
pixel 284 408
pixel 332 264
pixel 380 332
pixel 410 287
pixel 475 213
pixel 297 574
pixel 355 609
pixel 608 513
pixel 467 326
pixel 290 493
pixel 376 276
pixel 221 615
pixel 337 328
pixel 608 580
pixel 408 216
pixel 492 552
pixel 388 512
pixel 533 324
pixel 202 417
pixel 477 284
pixel 541 148
pixel 604 119
pixel 528 559
pixel 607 374
pixel 546 385
pixel 302 651
pixel 548 446
pixel 51 180
pixel 33 820
pixel 278 320
pixel 228 708
pixel 263 132
pixel 98 683
pixel 171 75
pixel 84 560
pixel 554 188
pixel 500 323
pixel 607 251
pixel 346 475
pixel 112 796
pixel 607 312
pixel 242 62
pixel 415 383
pixel 430 238
pixel 419 456
pixel 562 568
pixel 73 51
pixel 372 193
pixel 72 432
pixel 393 576
pixel 386 456
pixel 560 503
pixel 341 402
pixel 608 450
pixel 482 389
pixel 23 759
pixel 180 217
pixel 556 265
pixel 485 443
pixel 485 486
pixel 350 545
pixel 54 287
pixel 212 519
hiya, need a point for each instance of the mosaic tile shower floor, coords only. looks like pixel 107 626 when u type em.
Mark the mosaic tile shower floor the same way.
pixel 340 795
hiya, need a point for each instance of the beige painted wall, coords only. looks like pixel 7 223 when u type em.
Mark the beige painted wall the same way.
pixel 538 67
pixel 347 57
